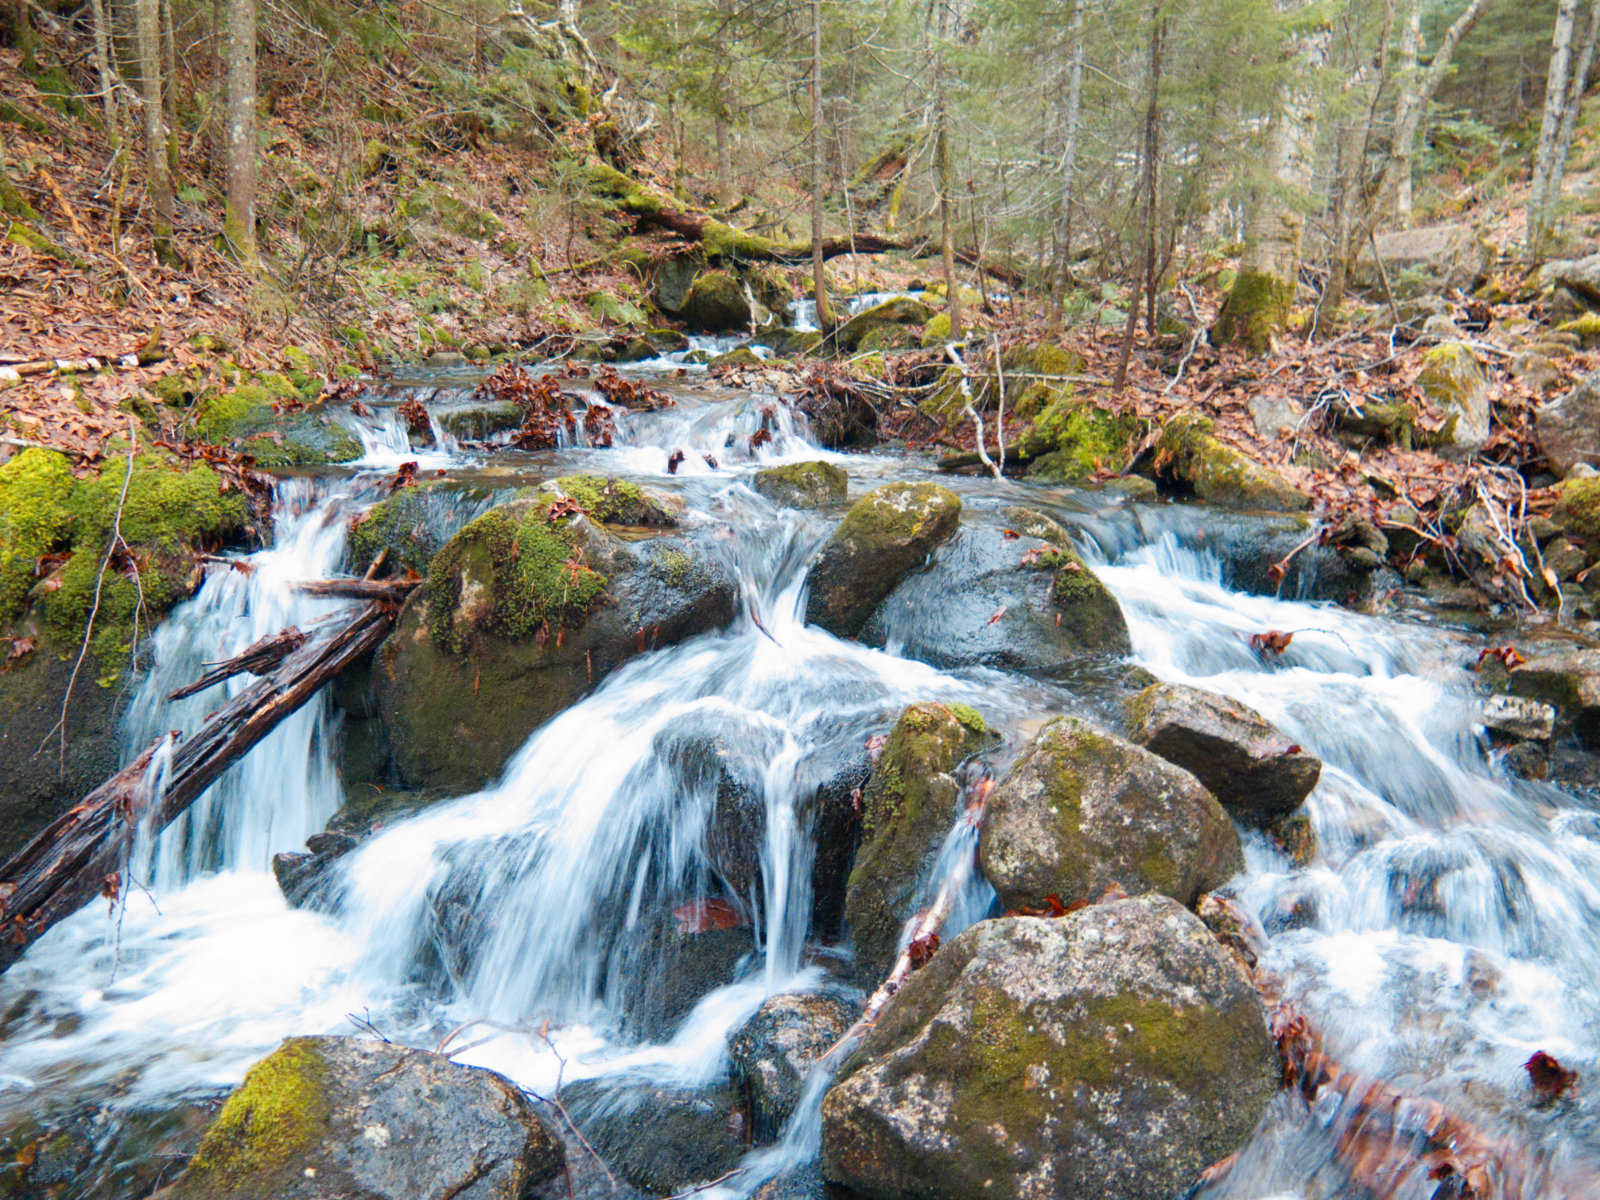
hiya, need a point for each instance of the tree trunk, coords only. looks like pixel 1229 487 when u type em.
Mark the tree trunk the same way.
pixel 239 225
pixel 1410 47
pixel 169 93
pixel 719 123
pixel 945 175
pixel 1541 203
pixel 819 275
pixel 102 64
pixel 1257 307
pixel 1569 119
pixel 1147 186
pixel 147 37
pixel 1069 166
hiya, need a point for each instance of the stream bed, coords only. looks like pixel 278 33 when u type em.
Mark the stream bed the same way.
pixel 1443 932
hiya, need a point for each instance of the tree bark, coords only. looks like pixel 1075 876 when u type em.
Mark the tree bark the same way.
pixel 147 38
pixel 1069 166
pixel 819 275
pixel 169 93
pixel 945 174
pixel 1569 119
pixel 1541 203
pixel 1147 181
pixel 1410 47
pixel 102 64
pixel 239 224
pixel 1258 304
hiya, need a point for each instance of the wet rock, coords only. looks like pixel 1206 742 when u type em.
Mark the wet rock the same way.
pixel 1570 681
pixel 1429 260
pixel 908 807
pixel 478 421
pixel 1082 811
pixel 526 609
pixel 1458 390
pixel 1219 474
pixel 331 1117
pixel 886 533
pixel 1517 717
pixel 1568 428
pixel 900 311
pixel 660 1139
pixel 661 969
pixel 1116 1052
pixel 299 876
pixel 803 485
pixel 309 435
pixel 716 304
pixel 774 1050
pixel 412 526
pixel 1016 602
pixel 1248 765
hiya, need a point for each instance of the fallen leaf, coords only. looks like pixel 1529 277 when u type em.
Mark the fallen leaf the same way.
pixel 1549 1078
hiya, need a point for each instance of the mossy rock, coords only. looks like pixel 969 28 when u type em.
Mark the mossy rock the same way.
pixel 412 525
pixel 35 487
pixel 1082 811
pixel 739 356
pixel 298 437
pixel 435 205
pixel 886 533
pixel 937 331
pixel 1457 388
pixel 1121 1050
pixel 614 501
pixel 526 609
pixel 1190 453
pixel 716 303
pixel 1577 510
pixel 803 484
pixel 1073 438
pixel 611 309
pixel 900 311
pixel 907 809
pixel 1585 327
pixel 327 1117
pixel 887 339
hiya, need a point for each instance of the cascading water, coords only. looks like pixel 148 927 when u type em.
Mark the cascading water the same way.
pixel 1438 939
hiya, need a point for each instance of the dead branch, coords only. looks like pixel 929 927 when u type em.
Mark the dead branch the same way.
pixel 256 659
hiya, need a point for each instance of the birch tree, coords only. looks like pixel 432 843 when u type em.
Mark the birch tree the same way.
pixel 240 220
pixel 1410 48
pixel 1257 307
pixel 1563 97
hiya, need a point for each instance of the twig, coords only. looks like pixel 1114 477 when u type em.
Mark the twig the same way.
pixel 971 411
pixel 1000 380
pixel 1194 339
pixel 1383 276
pixel 708 1184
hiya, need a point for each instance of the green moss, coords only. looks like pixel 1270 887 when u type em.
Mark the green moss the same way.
pixel 739 356
pixel 272 1118
pixel 725 241
pixel 1219 474
pixel 896 515
pixel 1578 509
pixel 34 520
pixel 675 567
pixel 1255 312
pixel 1587 328
pixel 970 717
pixel 937 331
pixel 612 501
pixel 297 438
pixel 1072 438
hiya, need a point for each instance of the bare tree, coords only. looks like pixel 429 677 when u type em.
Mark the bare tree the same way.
pixel 944 173
pixel 240 220
pixel 147 38
pixel 1410 47
pixel 1069 166
pixel 1563 96
pixel 819 275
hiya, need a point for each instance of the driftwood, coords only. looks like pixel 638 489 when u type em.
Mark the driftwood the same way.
pixel 387 591
pixel 84 852
pixel 257 659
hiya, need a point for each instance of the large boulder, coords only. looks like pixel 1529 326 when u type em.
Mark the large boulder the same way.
pixel 803 484
pixel 1568 428
pixel 901 312
pixel 1569 680
pixel 526 609
pixel 1016 597
pixel 886 533
pixel 661 1139
pixel 1458 390
pixel 1190 455
pixel 410 527
pixel 1112 1054
pixel 1430 259
pixel 1081 812
pixel 326 1118
pixel 1579 277
pixel 907 809
pixel 667 962
pixel 1257 774
pixel 773 1052
pixel 716 303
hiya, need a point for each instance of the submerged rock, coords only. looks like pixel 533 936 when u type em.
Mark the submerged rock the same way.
pixel 1253 770
pixel 1116 1052
pixel 660 1139
pixel 774 1050
pixel 886 533
pixel 1082 811
pixel 1218 474
pixel 326 1118
pixel 803 485
pixel 907 809
pixel 1017 598
pixel 526 609
pixel 662 967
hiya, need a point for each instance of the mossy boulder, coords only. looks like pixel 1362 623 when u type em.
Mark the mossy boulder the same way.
pixel 886 533
pixel 1390 422
pixel 1255 772
pixel 1568 428
pixel 774 1050
pixel 1072 438
pixel 900 311
pixel 716 303
pixel 478 421
pixel 1458 390
pixel 526 609
pixel 658 1138
pixel 412 526
pixel 305 436
pixel 331 1117
pixel 1577 510
pixel 803 484
pixel 936 332
pixel 739 356
pixel 1190 455
pixel 1007 591
pixel 1082 811
pixel 907 809
pixel 1116 1052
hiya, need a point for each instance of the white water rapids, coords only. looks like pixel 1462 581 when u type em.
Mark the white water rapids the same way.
pixel 1443 934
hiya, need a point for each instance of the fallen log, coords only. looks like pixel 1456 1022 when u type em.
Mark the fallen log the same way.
pixel 255 659
pixel 387 591
pixel 84 853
